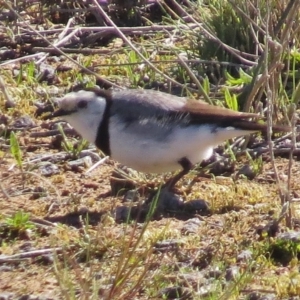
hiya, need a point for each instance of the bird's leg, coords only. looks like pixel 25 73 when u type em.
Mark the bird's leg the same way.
pixel 166 189
pixel 186 165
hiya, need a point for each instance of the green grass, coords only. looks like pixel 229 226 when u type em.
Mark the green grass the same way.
pixel 122 261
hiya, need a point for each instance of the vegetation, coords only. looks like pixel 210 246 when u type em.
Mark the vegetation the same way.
pixel 65 236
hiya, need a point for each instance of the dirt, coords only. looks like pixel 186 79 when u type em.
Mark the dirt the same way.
pixel 238 208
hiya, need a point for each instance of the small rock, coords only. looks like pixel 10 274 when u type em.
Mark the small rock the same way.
pixel 214 273
pixel 85 161
pixel 246 171
pixel 122 213
pixel 125 213
pixel 270 230
pixel 244 256
pixel 9 104
pixel 48 169
pixel 38 192
pixel 45 259
pixel 6 53
pixel 293 236
pixel 3 119
pixel 207 290
pixel 176 292
pixel 7 296
pixel 23 122
pixel 63 68
pixel 259 296
pixel 5 269
pixel 220 166
pixel 65 193
pixel 25 297
pixel 46 73
pixel 131 196
pixel 89 152
pixel 26 246
pixel 54 91
pixel 232 273
pixel 91 185
pixel 254 296
pixel 194 279
pixel 198 206
pixel 119 185
pixel 167 245
pixel 168 201
pixel 191 226
pixel 83 210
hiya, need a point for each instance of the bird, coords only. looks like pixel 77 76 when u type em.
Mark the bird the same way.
pixel 152 131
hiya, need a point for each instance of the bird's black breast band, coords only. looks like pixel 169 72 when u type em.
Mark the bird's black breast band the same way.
pixel 102 138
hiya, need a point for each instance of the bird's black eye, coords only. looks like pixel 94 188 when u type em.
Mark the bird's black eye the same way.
pixel 82 104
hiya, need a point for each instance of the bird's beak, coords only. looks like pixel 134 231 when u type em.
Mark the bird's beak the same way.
pixel 51 112
pixel 59 113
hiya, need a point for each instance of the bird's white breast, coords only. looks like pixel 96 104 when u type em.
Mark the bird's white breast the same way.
pixel 147 154
pixel 144 152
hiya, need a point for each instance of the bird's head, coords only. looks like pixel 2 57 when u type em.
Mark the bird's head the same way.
pixel 84 110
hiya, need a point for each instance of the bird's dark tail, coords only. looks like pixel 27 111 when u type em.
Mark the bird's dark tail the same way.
pixel 257 126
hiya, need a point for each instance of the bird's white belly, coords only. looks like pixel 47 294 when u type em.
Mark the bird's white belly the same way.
pixel 150 155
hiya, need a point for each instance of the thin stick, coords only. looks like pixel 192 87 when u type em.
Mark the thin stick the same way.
pixel 129 43
pixel 61 52
pixel 98 163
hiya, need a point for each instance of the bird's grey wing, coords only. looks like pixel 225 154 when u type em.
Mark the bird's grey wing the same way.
pixel 164 110
pixel 144 119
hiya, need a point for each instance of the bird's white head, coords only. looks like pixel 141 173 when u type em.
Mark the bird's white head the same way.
pixel 84 110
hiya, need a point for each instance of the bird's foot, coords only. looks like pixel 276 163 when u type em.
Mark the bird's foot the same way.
pixel 163 201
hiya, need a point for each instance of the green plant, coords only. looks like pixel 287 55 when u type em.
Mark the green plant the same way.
pixel 15 150
pixel 283 251
pixel 231 100
pixel 69 147
pixel 16 225
pixel 27 73
pixel 19 220
pixel 132 72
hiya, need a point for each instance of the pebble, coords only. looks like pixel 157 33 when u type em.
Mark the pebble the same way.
pixel 7 296
pixel 5 269
pixel 246 171
pixel 122 213
pixel 167 245
pixel 191 226
pixel 131 196
pixel 168 201
pixel 214 273
pixel 244 256
pixel 194 279
pixel 293 236
pixel 48 169
pixel 85 161
pixel 23 122
pixel 46 73
pixel 38 192
pixel 26 246
pixel 6 53
pixel 207 290
pixel 175 292
pixel 197 206
pixel 232 273
pixel 45 259
pixel 259 296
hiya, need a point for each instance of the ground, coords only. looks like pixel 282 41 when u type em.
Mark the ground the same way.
pixel 194 244
pixel 67 232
